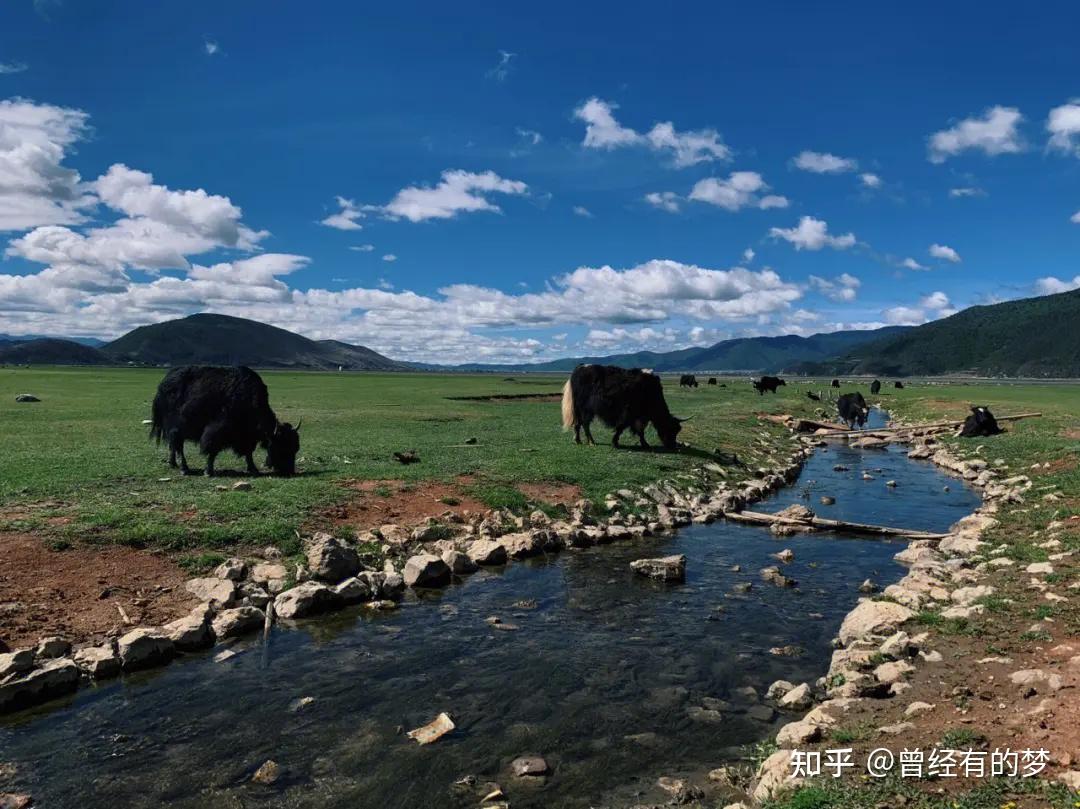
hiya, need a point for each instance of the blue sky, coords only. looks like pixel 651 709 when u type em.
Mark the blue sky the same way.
pixel 524 183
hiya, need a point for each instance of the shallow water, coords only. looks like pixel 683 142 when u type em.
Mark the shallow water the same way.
pixel 614 680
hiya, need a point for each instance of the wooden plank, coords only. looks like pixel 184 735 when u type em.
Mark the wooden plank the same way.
pixel 761 518
pixel 940 425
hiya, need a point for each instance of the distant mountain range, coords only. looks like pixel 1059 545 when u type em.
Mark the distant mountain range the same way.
pixel 204 340
pixel 1033 337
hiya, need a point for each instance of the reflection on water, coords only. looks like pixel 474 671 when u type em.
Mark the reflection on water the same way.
pixel 612 679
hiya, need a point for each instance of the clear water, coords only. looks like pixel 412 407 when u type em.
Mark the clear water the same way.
pixel 609 677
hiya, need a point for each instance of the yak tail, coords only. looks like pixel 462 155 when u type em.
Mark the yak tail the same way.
pixel 157 423
pixel 567 406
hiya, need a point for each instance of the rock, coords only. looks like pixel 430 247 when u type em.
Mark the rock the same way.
pixel 678 789
pixel 459 563
pixel 666 568
pixel 1036 681
pixel 211 589
pixel 433 730
pixel 529 767
pixel 192 631
pixel 309 598
pixel 873 617
pixel 144 647
pixel 51 648
pixel 786 651
pixel 352 591
pixel 868 587
pixel 53 678
pixel 521 545
pixel 774 776
pixel 238 621
pixel 797 699
pixel 1040 567
pixel 242 486
pixel 778 689
pixel 267 774
pixel 426 570
pixel 26 398
pixel 916 708
pixel 827 500
pixel 892 484
pixel 795 733
pixel 270 574
pixel 965 596
pixel 889 673
pixel 486 552
pixel 99 662
pixel 785 555
pixel 897 729
pixel 15 800
pixel 761 713
pixel 774 576
pixel 1071 779
pixel 330 559
pixel 796 512
pixel 233 569
pixel 16 662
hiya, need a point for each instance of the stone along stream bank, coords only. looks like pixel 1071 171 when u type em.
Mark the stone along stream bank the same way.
pixel 612 679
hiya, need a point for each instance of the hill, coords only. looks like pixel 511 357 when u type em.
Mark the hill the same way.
pixel 741 354
pixel 207 339
pixel 1033 337
pixel 50 351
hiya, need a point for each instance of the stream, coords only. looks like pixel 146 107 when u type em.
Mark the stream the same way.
pixel 613 679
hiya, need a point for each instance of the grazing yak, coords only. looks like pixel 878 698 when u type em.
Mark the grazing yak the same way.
pixel 768 383
pixel 712 380
pixel 688 381
pixel 898 385
pixel 622 399
pixel 836 383
pixel 221 408
pixel 875 387
pixel 980 423
pixel 852 409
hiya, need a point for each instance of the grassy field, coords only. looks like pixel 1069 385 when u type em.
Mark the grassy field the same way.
pixel 82 460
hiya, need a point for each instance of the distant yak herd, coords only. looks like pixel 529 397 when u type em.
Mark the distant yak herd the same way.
pixel 229 409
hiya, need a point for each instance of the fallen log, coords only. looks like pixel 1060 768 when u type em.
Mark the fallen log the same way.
pixel 826 431
pixel 761 518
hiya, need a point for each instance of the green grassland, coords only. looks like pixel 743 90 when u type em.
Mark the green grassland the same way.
pixel 78 466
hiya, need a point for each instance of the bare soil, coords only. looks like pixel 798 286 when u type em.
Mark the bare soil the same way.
pixel 75 593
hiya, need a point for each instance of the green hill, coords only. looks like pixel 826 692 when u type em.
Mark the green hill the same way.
pixel 1033 337
pixel 207 339
pixel 50 351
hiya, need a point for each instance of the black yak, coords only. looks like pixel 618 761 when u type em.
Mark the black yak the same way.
pixel 875 387
pixel 768 383
pixel 688 381
pixel 221 408
pixel 712 380
pixel 980 423
pixel 898 385
pixel 622 399
pixel 836 383
pixel 813 397
pixel 852 409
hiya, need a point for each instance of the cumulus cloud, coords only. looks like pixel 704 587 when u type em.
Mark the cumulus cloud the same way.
pixel 35 187
pixel 824 163
pixel 870 180
pixel 1075 218
pixel 843 288
pixel 812 234
pixel 345 218
pixel 664 200
pixel 935 300
pixel 583 212
pixel 944 252
pixel 1051 285
pixel 603 131
pixel 748 254
pixel 457 192
pixel 10 68
pixel 933 306
pixel 995 133
pixel 389 257
pixel 911 264
pixel 1063 124
pixel 741 189
pixel 211 47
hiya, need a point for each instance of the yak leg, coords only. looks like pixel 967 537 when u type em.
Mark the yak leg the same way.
pixel 176 447
pixel 641 437
pixel 615 438
pixel 588 433
pixel 210 444
pixel 251 467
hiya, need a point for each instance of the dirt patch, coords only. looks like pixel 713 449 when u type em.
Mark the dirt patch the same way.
pixel 551 493
pixel 75 592
pixel 1072 433
pixel 377 502
pixel 1056 467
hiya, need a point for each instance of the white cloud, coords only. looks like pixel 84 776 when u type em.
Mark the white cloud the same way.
pixel 531 137
pixel 843 288
pixel 457 192
pixel 1051 285
pixel 812 234
pixel 933 306
pixel 603 131
pixel 362 248
pixel 994 133
pixel 966 191
pixel 211 46
pixel 582 211
pixel 389 257
pixel 904 316
pixel 1063 124
pixel 664 200
pixel 748 254
pixel 344 219
pixel 911 264
pixel 501 72
pixel 870 180
pixel 10 68
pixel 824 163
pixel 35 187
pixel 936 300
pixel 1075 218
pixel 740 190
pixel 944 252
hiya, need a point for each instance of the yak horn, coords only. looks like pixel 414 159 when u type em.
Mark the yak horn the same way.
pixel 297 427
pixel 682 420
